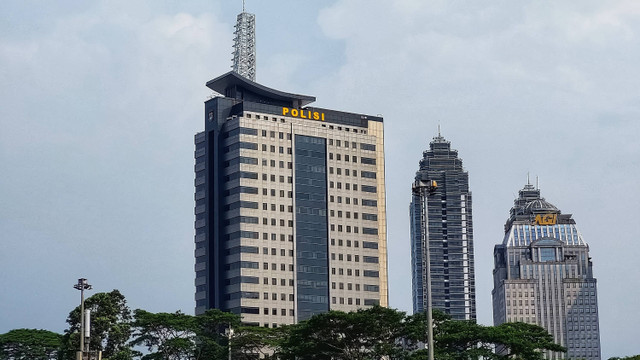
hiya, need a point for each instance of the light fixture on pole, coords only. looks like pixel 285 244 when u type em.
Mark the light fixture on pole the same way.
pixel 229 332
pixel 423 189
pixel 82 285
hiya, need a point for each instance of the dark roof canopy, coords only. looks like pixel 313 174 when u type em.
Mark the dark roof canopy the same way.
pixel 234 85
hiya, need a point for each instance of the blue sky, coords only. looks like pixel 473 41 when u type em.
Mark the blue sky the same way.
pixel 99 102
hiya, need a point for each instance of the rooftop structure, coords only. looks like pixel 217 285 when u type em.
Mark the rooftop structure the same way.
pixel 543 275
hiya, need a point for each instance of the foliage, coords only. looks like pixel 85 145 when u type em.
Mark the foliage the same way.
pixel 110 326
pixel 372 333
pixel 364 334
pixel 453 340
pixel 523 341
pixel 29 344
pixel 247 341
pixel 378 332
pixel 634 357
pixel 177 336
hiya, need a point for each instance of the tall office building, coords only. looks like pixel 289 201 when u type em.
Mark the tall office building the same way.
pixel 442 220
pixel 289 206
pixel 543 275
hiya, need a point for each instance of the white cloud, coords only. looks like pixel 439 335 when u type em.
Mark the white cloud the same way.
pixel 548 88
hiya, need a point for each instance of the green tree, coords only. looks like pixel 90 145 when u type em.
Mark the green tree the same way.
pixel 462 340
pixel 453 339
pixel 249 341
pixel 178 336
pixel 364 334
pixel 168 336
pixel 110 327
pixel 634 357
pixel 29 344
pixel 522 341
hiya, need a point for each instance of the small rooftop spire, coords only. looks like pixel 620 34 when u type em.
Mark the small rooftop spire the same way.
pixel 243 6
pixel 439 135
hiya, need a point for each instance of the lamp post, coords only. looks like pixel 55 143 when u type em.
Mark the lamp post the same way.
pixel 423 189
pixel 82 285
pixel 229 332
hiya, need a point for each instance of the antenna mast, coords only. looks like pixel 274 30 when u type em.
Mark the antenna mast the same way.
pixel 244 45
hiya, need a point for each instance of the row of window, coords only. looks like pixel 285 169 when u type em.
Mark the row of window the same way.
pixel 351 272
pixel 352 172
pixel 355 229
pixel 256 311
pixel 362 131
pixel 347 214
pixel 348 201
pixel 354 145
pixel 352 158
pixel 274 266
pixel 367 302
pixel 371 288
pixel 356 243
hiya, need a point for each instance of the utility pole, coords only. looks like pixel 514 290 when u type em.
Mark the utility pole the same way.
pixel 229 332
pixel 424 189
pixel 82 285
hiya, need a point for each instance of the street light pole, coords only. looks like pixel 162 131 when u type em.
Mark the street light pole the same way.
pixel 423 189
pixel 82 285
pixel 229 332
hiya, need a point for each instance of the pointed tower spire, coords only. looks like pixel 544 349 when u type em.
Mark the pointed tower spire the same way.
pixel 244 45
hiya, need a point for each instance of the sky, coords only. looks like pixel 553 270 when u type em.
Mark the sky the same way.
pixel 99 102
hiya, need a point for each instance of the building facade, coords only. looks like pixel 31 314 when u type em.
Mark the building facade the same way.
pixel 289 206
pixel 543 275
pixel 443 220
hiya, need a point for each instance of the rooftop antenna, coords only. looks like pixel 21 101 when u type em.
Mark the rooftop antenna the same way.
pixel 439 129
pixel 244 45
pixel 537 187
pixel 528 182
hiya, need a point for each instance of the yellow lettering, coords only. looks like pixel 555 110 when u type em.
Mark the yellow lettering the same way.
pixel 303 114
pixel 546 219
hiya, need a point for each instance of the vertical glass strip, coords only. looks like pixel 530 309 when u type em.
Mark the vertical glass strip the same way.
pixel 312 268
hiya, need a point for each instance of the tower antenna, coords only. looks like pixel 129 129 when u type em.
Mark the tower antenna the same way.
pixel 244 45
pixel 439 129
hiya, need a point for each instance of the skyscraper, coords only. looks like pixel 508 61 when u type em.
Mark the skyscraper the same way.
pixel 543 275
pixel 443 221
pixel 289 206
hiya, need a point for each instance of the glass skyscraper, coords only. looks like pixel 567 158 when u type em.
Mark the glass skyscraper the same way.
pixel 443 221
pixel 543 275
pixel 290 214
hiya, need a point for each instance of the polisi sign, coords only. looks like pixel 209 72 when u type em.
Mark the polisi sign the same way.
pixel 303 114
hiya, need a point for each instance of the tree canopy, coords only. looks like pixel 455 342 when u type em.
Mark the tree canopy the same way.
pixel 377 332
pixel 110 326
pixel 365 334
pixel 29 344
